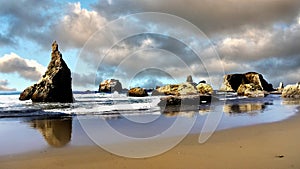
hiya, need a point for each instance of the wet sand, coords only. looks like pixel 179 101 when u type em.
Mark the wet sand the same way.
pixel 274 145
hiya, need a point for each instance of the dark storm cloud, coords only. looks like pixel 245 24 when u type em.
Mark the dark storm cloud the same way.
pixel 27 19
pixel 280 70
pixel 211 16
pixel 247 34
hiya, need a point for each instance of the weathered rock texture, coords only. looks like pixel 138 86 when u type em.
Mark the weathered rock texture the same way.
pixel 291 91
pixel 111 85
pixel 233 81
pixel 204 88
pixel 56 83
pixel 137 92
pixel 176 89
pixel 250 90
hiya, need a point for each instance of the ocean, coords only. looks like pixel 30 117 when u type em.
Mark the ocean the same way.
pixel 94 118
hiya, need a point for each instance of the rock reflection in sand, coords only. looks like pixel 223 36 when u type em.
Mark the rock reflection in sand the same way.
pixel 57 132
pixel 291 101
pixel 186 111
pixel 250 108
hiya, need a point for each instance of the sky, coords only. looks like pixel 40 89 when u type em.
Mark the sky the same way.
pixel 149 43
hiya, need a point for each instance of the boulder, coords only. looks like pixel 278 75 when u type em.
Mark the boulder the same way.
pixel 232 82
pixel 137 92
pixel 204 88
pixel 110 86
pixel 176 89
pixel 291 91
pixel 250 90
pixel 56 83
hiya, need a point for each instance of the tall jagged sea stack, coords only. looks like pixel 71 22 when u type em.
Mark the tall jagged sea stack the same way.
pixel 56 83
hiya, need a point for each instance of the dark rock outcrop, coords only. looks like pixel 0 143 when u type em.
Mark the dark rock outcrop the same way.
pixel 56 83
pixel 137 92
pixel 233 81
pixel 110 86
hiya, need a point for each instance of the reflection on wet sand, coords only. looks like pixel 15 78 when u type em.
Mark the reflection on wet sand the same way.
pixel 57 132
pixel 186 111
pixel 291 101
pixel 250 108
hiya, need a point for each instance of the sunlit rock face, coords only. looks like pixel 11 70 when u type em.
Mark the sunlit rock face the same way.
pixel 233 81
pixel 291 91
pixel 57 132
pixel 250 90
pixel 137 92
pixel 176 90
pixel 250 84
pixel 110 86
pixel 56 83
pixel 204 88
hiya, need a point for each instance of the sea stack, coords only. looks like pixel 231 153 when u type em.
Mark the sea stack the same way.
pixel 253 80
pixel 56 83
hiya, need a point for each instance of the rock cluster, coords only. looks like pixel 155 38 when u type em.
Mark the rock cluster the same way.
pixel 56 83
pixel 291 91
pixel 188 93
pixel 137 92
pixel 110 86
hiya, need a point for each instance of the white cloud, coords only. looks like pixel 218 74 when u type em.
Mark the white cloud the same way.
pixel 26 68
pixel 76 27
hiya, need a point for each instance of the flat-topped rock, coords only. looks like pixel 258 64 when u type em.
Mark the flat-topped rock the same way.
pixel 110 86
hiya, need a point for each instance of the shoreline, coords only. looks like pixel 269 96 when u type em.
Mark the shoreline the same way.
pixel 269 145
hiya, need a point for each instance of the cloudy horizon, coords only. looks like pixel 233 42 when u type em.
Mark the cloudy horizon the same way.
pixel 261 36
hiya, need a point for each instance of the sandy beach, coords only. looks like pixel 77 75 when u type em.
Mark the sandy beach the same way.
pixel 274 145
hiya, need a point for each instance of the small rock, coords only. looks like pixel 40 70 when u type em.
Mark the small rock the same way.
pixel 137 92
pixel 279 156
